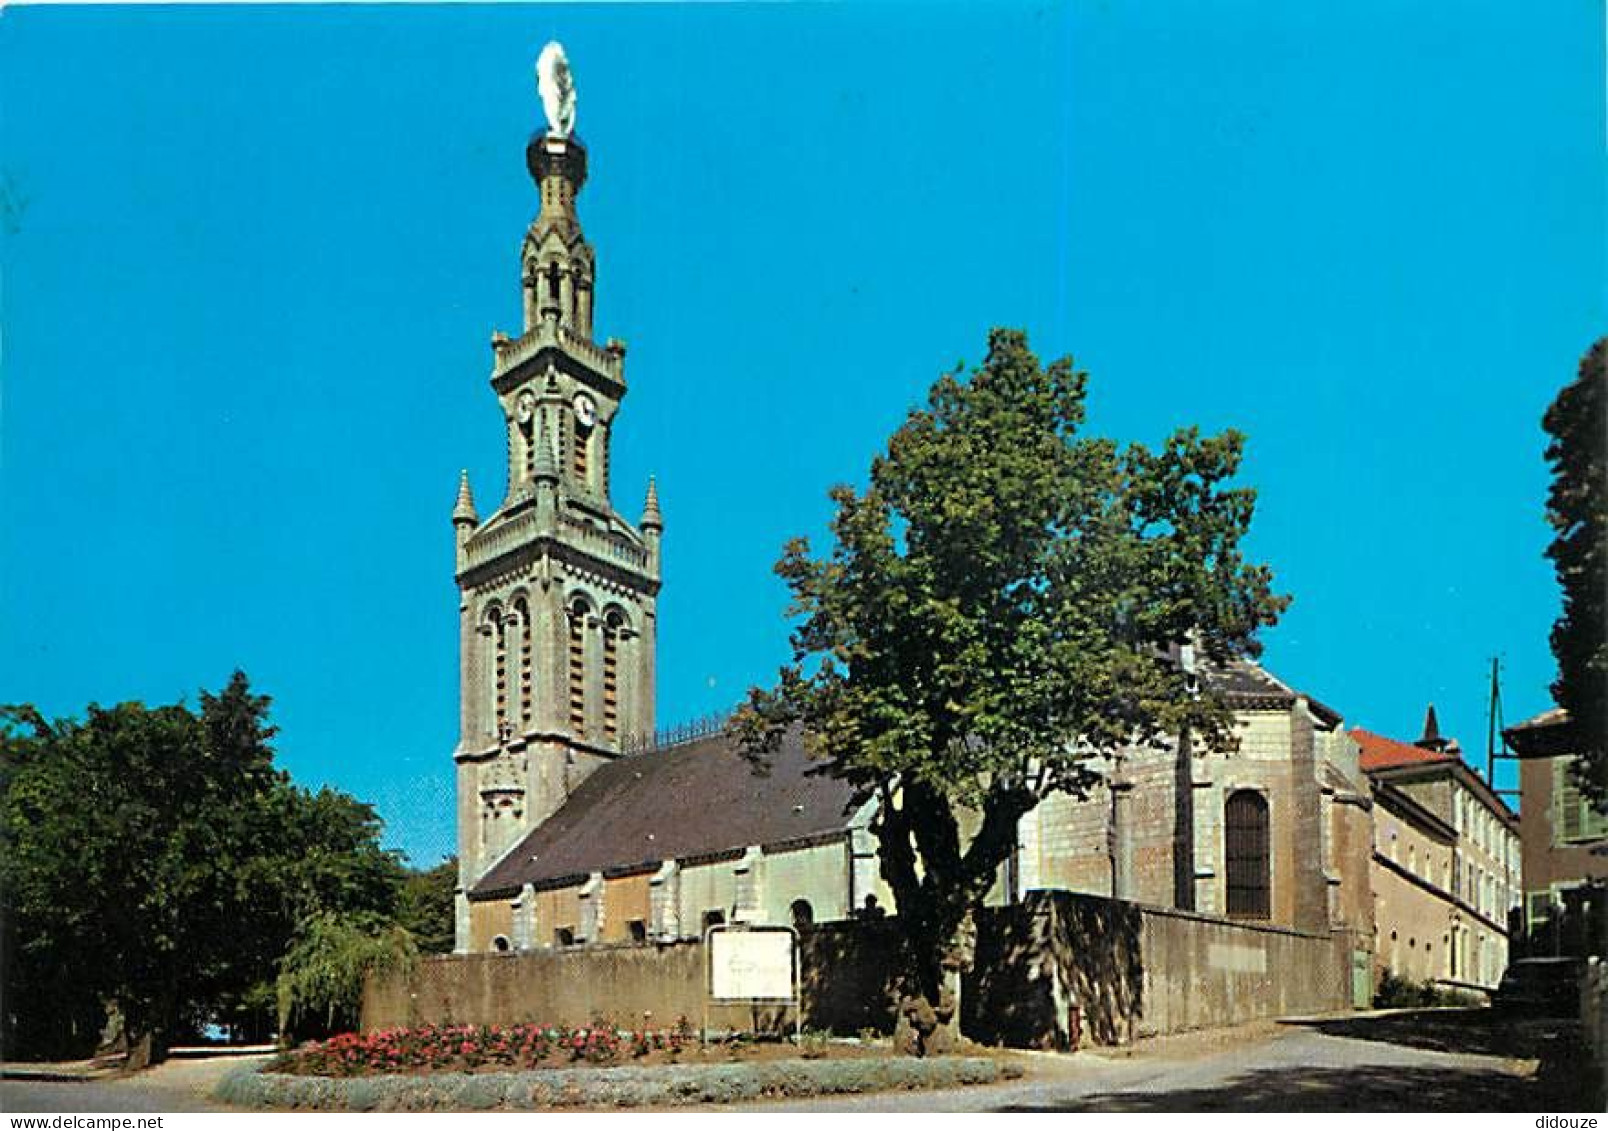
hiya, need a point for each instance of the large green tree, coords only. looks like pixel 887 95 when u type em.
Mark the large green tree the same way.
pixel 1577 509
pixel 156 862
pixel 427 906
pixel 1006 601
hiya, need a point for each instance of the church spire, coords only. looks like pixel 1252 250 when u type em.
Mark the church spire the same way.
pixel 557 591
pixel 1432 739
pixel 558 264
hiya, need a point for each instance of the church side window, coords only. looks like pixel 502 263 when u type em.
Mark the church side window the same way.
pixel 1246 855
pixel 577 669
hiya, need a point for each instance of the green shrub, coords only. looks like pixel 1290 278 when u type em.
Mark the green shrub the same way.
pixel 1394 992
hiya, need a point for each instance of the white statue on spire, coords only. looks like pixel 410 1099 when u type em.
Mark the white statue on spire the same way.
pixel 556 84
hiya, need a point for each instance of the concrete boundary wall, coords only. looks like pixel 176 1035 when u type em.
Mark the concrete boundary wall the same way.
pixel 1137 971
pixel 1131 970
pixel 846 970
pixel 1201 972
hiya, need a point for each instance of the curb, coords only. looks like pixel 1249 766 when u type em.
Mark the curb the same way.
pixel 622 1087
pixel 95 1068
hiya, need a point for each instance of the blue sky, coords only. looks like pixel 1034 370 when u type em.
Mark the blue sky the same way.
pixel 252 257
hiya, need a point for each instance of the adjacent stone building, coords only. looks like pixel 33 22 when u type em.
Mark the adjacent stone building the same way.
pixel 1445 861
pixel 1276 831
pixel 1565 841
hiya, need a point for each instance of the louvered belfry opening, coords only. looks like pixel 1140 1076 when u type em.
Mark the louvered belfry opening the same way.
pixel 501 629
pixel 527 699
pixel 1246 855
pixel 611 678
pixel 577 670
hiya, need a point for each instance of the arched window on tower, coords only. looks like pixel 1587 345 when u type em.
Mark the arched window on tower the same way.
pixel 491 644
pixel 500 673
pixel 529 280
pixel 578 613
pixel 581 453
pixel 527 701
pixel 1246 854
pixel 613 628
pixel 565 430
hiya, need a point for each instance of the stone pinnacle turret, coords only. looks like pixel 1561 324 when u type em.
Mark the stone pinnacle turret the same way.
pixel 546 466
pixel 651 518
pixel 464 510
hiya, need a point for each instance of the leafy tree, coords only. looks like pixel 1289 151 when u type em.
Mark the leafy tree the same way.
pixel 1578 513
pixel 1004 603
pixel 53 1006
pixel 157 863
pixel 321 855
pixel 103 875
pixel 320 986
pixel 427 906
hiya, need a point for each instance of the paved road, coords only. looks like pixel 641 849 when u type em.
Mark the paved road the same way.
pixel 179 1085
pixel 1442 1060
pixel 1439 1060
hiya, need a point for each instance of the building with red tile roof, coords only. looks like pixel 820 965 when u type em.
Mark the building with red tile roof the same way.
pixel 1445 860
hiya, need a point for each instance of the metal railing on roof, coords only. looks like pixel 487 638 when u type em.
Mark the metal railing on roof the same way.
pixel 678 734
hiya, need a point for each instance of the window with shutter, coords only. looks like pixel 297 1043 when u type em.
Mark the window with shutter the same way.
pixel 1246 854
pixel 1573 817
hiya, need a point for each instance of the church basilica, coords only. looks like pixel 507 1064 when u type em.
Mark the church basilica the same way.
pixel 574 829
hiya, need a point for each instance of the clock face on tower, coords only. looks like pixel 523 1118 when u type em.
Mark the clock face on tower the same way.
pixel 585 410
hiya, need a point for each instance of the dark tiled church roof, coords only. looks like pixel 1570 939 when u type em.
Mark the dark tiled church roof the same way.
pixel 1249 686
pixel 697 799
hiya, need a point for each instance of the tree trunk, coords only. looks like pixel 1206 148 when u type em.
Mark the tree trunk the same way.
pixel 148 1032
pixel 928 1022
pixel 936 904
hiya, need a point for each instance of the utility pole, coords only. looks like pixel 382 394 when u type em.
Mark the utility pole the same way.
pixel 1495 742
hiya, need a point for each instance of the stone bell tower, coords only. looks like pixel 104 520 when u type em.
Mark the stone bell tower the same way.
pixel 557 591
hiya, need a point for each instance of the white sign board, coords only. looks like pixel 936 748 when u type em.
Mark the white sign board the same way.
pixel 751 965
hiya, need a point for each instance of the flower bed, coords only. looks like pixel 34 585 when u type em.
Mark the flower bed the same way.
pixel 472 1048
pixel 468 1067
